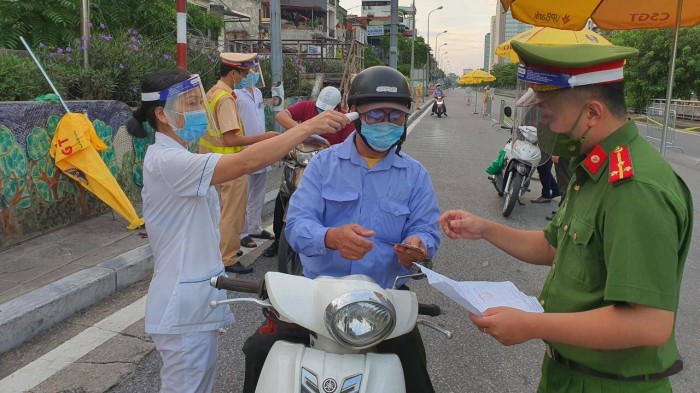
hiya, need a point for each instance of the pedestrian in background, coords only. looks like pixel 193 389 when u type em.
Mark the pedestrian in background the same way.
pixel 252 110
pixel 232 139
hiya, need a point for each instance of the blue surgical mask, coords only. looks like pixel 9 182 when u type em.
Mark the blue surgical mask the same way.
pixel 239 85
pixel 381 136
pixel 195 126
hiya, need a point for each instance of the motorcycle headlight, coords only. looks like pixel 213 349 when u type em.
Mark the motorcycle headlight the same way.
pixel 360 319
pixel 303 158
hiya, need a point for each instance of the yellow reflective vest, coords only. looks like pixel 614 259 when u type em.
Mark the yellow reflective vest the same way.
pixel 216 133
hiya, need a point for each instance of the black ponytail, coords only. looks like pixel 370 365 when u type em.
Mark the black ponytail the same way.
pixel 153 83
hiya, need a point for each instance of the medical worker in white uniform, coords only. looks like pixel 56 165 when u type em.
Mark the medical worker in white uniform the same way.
pixel 181 209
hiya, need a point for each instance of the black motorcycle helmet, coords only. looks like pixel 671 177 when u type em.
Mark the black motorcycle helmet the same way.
pixel 380 84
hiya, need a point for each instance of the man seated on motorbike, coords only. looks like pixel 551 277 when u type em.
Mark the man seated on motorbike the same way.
pixel 328 98
pixel 439 93
pixel 356 204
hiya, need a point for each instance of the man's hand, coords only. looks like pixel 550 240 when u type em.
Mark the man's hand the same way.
pixel 507 325
pixel 555 159
pixel 408 255
pixel 270 134
pixel 350 240
pixel 461 224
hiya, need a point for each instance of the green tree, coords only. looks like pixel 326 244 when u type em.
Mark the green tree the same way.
pixel 403 63
pixel 646 76
pixel 57 22
pixel 506 75
pixel 371 58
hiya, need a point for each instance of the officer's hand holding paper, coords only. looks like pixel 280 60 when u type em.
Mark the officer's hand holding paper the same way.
pixel 478 296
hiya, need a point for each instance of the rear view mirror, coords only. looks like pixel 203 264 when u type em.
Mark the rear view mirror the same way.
pixel 507 111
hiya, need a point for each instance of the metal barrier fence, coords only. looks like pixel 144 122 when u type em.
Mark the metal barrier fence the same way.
pixel 654 127
pixel 685 109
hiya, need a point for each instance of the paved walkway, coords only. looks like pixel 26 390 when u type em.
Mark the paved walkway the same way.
pixel 52 256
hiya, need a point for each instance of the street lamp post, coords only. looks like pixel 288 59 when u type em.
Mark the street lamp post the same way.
pixel 437 48
pixel 413 49
pixel 437 58
pixel 427 56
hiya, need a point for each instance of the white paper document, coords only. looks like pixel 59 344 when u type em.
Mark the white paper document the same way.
pixel 478 296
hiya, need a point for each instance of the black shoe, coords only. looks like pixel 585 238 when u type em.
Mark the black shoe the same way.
pixel 445 114
pixel 550 217
pixel 239 253
pixel 238 268
pixel 272 250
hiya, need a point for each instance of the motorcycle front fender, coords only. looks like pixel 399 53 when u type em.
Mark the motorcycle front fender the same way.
pixel 289 366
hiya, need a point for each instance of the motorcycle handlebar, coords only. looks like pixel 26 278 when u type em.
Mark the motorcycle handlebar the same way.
pixel 432 310
pixel 506 127
pixel 231 284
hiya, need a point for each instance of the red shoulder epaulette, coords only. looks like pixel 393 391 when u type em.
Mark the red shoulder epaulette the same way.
pixel 620 164
pixel 595 159
pixel 233 93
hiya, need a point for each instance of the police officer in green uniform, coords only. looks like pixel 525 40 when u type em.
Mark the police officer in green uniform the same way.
pixel 617 246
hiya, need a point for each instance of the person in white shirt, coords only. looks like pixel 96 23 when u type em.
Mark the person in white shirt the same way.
pixel 181 210
pixel 252 111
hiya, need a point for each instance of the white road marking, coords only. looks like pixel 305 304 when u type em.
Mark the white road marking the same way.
pixel 410 128
pixel 70 351
pixel 67 353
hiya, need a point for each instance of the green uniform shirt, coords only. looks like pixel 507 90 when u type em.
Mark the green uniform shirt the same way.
pixel 617 243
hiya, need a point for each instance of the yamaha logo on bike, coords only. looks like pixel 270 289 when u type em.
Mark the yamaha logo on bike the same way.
pixel 329 385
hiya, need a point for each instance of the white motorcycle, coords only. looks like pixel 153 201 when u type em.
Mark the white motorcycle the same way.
pixel 346 317
pixel 522 157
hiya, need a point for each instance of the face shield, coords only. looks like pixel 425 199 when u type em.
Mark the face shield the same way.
pixel 253 77
pixel 186 108
pixel 549 101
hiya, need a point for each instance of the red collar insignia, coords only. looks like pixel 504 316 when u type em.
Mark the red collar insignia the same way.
pixel 595 159
pixel 233 93
pixel 620 164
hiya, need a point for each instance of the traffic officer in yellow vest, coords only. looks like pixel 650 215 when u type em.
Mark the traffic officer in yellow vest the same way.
pixel 232 139
pixel 617 246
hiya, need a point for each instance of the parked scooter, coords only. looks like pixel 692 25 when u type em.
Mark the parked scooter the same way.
pixel 521 157
pixel 294 164
pixel 440 106
pixel 346 318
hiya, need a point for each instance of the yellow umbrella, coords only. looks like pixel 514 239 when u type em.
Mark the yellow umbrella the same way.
pixel 549 36
pixel 475 77
pixel 74 148
pixel 613 15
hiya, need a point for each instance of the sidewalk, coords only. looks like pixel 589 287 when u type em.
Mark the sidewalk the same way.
pixel 48 278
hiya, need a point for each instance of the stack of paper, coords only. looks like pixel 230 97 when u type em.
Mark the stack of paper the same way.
pixel 478 296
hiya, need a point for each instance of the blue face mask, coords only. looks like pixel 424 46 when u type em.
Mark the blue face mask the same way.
pixel 195 126
pixel 239 85
pixel 381 136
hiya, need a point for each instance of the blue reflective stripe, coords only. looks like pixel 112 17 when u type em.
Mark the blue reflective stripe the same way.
pixel 543 77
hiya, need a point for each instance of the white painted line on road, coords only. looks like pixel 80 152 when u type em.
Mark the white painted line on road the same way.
pixel 67 353
pixel 410 128
pixel 70 351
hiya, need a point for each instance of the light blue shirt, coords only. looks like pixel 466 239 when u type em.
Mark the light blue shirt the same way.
pixel 395 199
pixel 251 108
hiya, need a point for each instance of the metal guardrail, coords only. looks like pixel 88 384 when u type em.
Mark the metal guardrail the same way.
pixel 685 109
pixel 654 128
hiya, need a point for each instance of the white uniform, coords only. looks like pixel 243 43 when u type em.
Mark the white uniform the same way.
pixel 252 111
pixel 182 216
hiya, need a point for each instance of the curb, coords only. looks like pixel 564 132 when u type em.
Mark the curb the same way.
pixel 24 317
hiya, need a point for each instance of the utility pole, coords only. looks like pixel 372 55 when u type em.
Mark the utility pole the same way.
pixel 182 33
pixel 276 56
pixel 413 50
pixel 86 31
pixel 393 39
